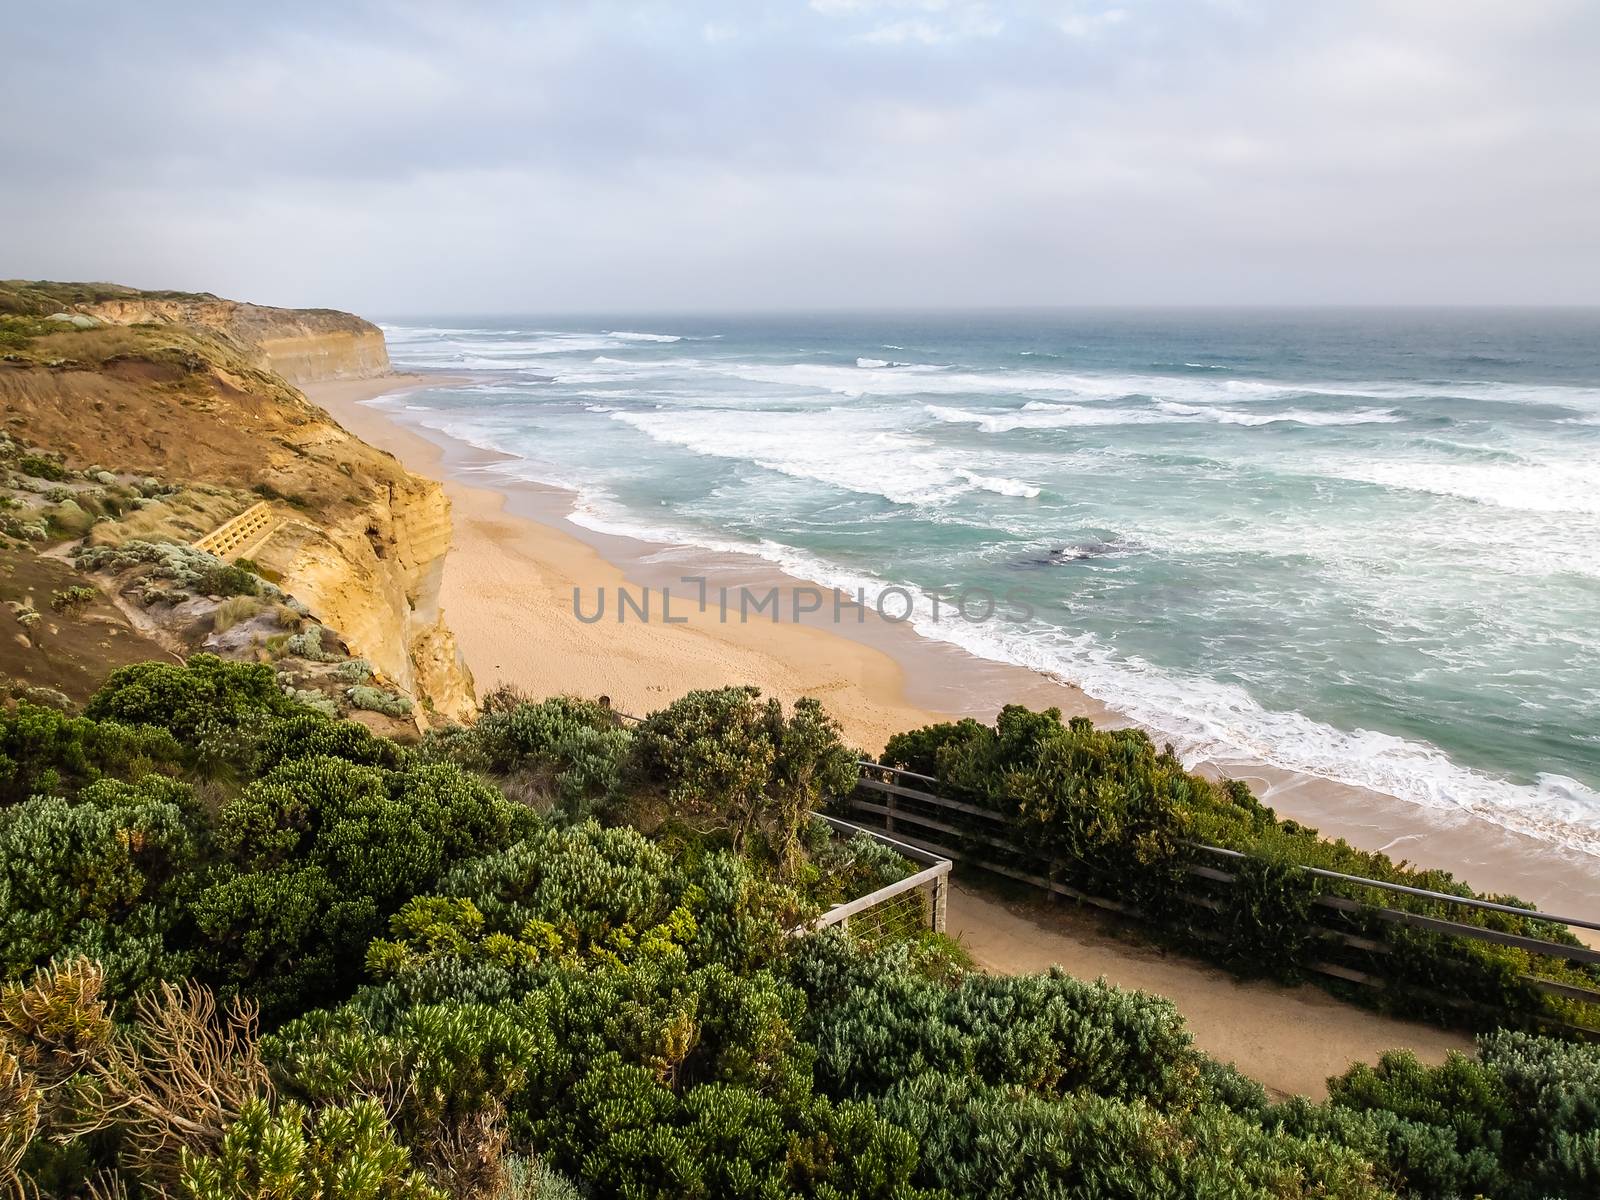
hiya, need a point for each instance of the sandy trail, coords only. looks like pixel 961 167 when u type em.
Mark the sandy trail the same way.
pixel 1289 1038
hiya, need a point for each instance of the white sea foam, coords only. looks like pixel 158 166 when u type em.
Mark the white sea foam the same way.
pixel 497 349
pixel 1512 570
pixel 856 454
pixel 1043 415
pixel 999 484
pixel 840 447
pixel 1295 416
pixel 1546 487
pixel 1206 719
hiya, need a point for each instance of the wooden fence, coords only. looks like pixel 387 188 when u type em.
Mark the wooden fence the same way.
pixel 934 878
pixel 981 837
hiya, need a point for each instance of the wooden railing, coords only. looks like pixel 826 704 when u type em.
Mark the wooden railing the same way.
pixel 934 878
pixel 983 838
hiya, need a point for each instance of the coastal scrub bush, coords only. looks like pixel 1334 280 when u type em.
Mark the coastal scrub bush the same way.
pixel 142 1092
pixel 72 598
pixel 391 704
pixel 46 750
pixel 98 876
pixel 336 1153
pixel 41 467
pixel 194 570
pixel 564 750
pixel 455 988
pixel 306 735
pixel 315 857
pixel 725 758
pixel 307 644
pixel 206 691
pixel 316 701
pixel 1519 1121
pixel 1107 813
pixel 443 1073
pixel 355 670
pixel 875 1022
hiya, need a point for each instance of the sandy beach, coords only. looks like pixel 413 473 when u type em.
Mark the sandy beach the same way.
pixel 508 594
pixel 517 568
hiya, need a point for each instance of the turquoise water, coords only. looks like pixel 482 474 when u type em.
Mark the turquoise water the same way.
pixel 1364 545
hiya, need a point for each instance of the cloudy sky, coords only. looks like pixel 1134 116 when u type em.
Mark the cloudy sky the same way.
pixel 455 158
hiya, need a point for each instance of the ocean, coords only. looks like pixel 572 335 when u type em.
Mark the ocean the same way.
pixel 1364 545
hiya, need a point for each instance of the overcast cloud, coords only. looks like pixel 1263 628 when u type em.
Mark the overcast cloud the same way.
pixel 434 158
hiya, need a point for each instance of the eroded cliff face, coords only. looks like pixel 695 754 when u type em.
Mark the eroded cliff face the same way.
pixel 302 345
pixel 352 533
pixel 374 572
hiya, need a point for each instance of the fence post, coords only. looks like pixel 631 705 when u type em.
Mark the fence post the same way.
pixel 888 819
pixel 941 893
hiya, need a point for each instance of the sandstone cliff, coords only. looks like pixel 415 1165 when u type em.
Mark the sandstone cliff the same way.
pixel 179 387
pixel 301 344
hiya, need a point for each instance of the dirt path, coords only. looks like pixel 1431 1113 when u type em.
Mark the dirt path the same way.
pixel 1289 1038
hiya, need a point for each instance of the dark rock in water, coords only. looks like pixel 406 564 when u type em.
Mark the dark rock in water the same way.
pixel 1058 556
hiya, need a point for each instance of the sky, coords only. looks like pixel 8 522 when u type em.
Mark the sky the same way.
pixel 408 158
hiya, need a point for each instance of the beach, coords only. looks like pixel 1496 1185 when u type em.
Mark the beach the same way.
pixel 519 575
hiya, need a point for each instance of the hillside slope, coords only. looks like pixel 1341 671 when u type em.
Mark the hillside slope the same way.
pixel 184 396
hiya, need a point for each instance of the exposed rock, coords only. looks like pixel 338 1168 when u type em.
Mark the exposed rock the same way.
pixel 176 388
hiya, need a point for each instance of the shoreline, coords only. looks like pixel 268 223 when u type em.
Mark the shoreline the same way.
pixel 516 560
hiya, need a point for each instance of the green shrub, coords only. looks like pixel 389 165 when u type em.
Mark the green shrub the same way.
pixel 41 468
pixel 339 1153
pixel 194 570
pixel 302 736
pixel 458 988
pixel 317 702
pixel 564 749
pixel 355 670
pixel 99 876
pixel 391 704
pixel 317 855
pixel 72 598
pixel 205 692
pixel 1521 1121
pixel 875 1022
pixel 531 1179
pixel 307 644
pixel 725 757
pixel 446 1072
pixel 46 750
pixel 1109 814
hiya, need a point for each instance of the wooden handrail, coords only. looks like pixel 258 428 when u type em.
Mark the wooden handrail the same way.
pixel 1359 880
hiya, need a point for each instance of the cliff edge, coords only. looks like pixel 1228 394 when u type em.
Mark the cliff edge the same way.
pixel 199 392
pixel 303 345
